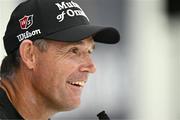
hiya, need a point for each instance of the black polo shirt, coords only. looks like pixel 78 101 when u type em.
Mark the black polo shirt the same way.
pixel 7 111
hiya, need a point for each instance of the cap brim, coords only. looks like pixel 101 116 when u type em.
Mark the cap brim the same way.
pixel 101 34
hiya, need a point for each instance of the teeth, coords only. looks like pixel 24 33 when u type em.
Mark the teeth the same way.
pixel 78 83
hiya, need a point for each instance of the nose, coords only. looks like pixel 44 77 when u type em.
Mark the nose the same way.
pixel 88 66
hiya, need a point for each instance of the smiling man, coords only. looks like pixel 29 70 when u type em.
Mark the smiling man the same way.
pixel 48 45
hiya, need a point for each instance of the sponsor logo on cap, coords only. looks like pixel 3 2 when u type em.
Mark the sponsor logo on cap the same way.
pixel 66 8
pixel 28 34
pixel 26 22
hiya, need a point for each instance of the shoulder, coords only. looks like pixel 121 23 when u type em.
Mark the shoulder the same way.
pixel 2 110
pixel 2 115
pixel 7 111
pixel 2 107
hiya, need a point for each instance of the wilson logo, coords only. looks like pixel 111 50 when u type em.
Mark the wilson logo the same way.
pixel 26 22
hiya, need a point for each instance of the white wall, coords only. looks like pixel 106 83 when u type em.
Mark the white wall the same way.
pixel 174 28
pixel 6 7
pixel 156 60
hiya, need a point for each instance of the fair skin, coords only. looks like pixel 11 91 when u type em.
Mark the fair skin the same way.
pixel 51 81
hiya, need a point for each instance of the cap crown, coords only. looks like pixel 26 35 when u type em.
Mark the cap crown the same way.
pixel 35 19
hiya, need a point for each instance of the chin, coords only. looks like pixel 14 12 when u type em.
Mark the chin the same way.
pixel 69 107
pixel 72 107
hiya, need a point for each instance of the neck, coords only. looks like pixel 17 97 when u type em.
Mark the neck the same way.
pixel 24 98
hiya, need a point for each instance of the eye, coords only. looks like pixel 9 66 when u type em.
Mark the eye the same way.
pixel 74 50
pixel 90 51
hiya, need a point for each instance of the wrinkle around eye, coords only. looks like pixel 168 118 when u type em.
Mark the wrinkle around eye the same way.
pixel 61 52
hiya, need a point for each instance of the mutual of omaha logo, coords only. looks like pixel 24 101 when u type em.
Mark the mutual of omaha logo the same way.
pixel 26 22
pixel 67 9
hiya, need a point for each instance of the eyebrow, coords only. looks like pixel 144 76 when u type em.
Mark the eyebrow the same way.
pixel 81 42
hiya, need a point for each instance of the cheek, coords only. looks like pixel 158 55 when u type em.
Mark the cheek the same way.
pixel 53 75
pixel 44 73
pixel 68 65
pixel 50 81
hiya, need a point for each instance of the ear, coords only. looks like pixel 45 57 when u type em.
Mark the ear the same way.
pixel 27 53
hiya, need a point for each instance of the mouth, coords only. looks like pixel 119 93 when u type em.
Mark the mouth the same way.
pixel 79 84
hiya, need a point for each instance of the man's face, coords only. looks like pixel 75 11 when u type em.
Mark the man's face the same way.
pixel 62 71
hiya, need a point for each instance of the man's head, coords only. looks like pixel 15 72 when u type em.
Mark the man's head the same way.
pixel 49 43
pixel 59 73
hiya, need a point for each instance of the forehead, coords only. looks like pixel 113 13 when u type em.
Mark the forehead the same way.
pixel 87 42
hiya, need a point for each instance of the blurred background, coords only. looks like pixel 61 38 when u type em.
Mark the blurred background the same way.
pixel 138 78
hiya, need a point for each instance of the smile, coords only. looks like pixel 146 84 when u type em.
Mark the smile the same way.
pixel 77 83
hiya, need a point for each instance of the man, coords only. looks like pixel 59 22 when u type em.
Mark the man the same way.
pixel 48 45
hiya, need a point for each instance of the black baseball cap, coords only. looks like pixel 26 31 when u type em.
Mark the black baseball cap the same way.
pixel 59 20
